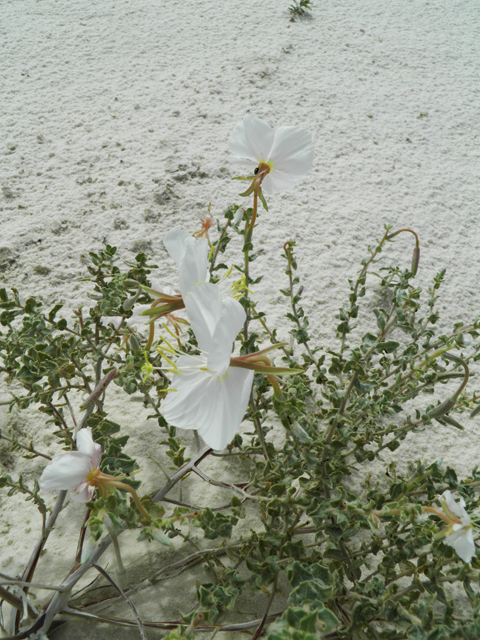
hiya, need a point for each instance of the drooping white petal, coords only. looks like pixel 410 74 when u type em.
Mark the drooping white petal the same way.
pixel 219 422
pixel 251 139
pixel 214 405
pixel 244 166
pixel 65 471
pixel 193 265
pixel 227 329
pixel 204 309
pixel 181 406
pixel 457 508
pixel 462 541
pixel 174 243
pixel 278 181
pixel 82 493
pixel 168 290
pixel 292 151
pixel 156 285
pixel 136 318
pixel 88 447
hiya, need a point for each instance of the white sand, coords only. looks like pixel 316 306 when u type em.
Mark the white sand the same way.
pixel 104 104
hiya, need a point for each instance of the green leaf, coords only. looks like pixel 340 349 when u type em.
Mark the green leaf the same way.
pixel 388 347
pixel 310 591
pixel 328 620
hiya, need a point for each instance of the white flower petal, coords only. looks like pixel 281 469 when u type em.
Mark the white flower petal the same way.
pixel 168 290
pixel 292 151
pixel 213 405
pixel 463 543
pixel 82 493
pixel 156 285
pixel 247 167
pixel 204 308
pixel 457 508
pixel 174 243
pixel 181 406
pixel 87 446
pixel 65 471
pixel 232 393
pixel 193 265
pixel 226 331
pixel 136 318
pixel 278 181
pixel 251 139
pixel 290 155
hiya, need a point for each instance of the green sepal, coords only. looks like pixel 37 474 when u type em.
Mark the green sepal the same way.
pixel 260 195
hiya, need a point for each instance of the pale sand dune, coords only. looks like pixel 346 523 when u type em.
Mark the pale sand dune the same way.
pixel 115 117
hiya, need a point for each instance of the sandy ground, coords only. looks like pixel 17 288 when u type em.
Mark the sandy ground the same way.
pixel 115 117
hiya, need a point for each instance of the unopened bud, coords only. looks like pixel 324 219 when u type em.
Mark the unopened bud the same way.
pixel 162 538
pixel 453 423
pixel 415 260
pixel 131 283
pixel 446 406
pixel 134 344
pixel 88 550
pixel 375 519
pixel 476 411
pixel 129 302
pixel 300 432
pixel 238 216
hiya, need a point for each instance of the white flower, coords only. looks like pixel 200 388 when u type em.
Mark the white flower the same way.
pixel 206 221
pixel 211 396
pixel 72 470
pixel 191 256
pixel 287 152
pixel 459 533
pixel 79 472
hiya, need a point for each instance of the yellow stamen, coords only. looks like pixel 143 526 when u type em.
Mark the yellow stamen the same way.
pixel 170 349
pixel 165 357
pixel 164 325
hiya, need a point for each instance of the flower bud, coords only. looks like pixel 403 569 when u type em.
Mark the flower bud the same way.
pixel 88 550
pixel 134 344
pixel 129 302
pixel 444 407
pixel 415 260
pixel 238 216
pixel 476 411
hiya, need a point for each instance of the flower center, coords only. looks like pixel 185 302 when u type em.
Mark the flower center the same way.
pixel 264 168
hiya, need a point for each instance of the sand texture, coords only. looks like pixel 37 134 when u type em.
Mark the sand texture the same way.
pixel 114 119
